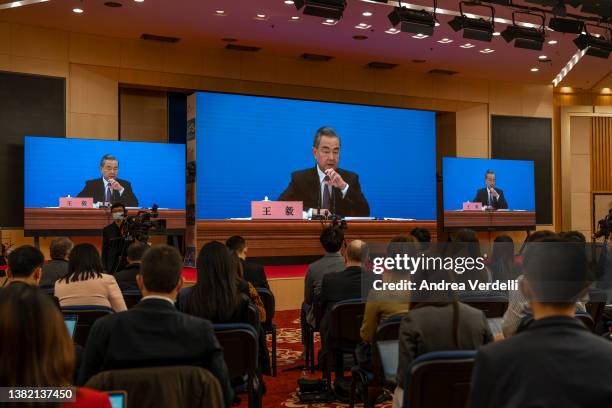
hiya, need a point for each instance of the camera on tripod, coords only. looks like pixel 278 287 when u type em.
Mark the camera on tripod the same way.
pixel 139 227
pixel 605 226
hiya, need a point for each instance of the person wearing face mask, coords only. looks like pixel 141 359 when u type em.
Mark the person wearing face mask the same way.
pixel 326 186
pixel 113 242
pixel 109 189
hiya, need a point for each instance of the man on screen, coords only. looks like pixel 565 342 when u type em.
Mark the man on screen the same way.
pixel 109 189
pixel 326 186
pixel 491 196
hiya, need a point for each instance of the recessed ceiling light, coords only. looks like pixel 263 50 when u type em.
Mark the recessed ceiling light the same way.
pixel 445 41
pixel 437 24
pixel 535 69
pixel 596 35
pixel 420 36
pixel 360 37
pixel 487 51
pixel 220 12
pixel 496 33
pixel 363 26
pixel 289 2
pixel 467 45
pixel 261 15
pixel 367 14
pixel 295 18
pixel 139 1
pixel 542 57
pixel 552 42
pixel 392 31
pixel 77 10
pixel 330 22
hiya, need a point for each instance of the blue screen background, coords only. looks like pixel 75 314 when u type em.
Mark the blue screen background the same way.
pixel 248 146
pixel 57 167
pixel 463 177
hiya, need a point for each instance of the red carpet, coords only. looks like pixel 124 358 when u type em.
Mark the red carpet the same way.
pixel 281 390
pixel 272 272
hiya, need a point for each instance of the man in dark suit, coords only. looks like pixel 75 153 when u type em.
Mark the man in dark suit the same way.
pixel 326 186
pixel 113 245
pixel 253 272
pixel 154 332
pixel 57 268
pixel 491 196
pixel 556 361
pixel 126 278
pixel 109 189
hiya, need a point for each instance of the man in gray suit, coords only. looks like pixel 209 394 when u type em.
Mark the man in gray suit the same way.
pixel 332 239
pixel 58 266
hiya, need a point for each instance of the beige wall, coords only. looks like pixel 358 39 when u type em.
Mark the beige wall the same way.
pixel 95 66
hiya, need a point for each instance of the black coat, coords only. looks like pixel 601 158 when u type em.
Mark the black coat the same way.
pixel 114 249
pixel 483 197
pixel 126 278
pixel 154 333
pixel 254 273
pixel 556 362
pixel 305 187
pixel 95 188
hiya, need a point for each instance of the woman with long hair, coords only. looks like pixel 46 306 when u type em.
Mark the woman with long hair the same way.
pixel 85 284
pixel 502 264
pixel 36 348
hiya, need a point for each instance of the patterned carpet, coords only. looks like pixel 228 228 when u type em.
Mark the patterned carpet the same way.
pixel 281 390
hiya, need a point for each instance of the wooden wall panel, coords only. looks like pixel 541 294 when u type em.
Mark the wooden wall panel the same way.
pixel 601 154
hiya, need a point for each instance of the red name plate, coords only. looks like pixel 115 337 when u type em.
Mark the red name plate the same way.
pixel 76 202
pixel 472 206
pixel 276 210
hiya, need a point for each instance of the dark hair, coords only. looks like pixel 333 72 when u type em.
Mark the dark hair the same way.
pixel 236 243
pixel 502 265
pixel 332 239
pixel 60 248
pixel 109 157
pixel 421 234
pixel 84 263
pixel 118 205
pixel 137 250
pixel 215 295
pixel 24 260
pixel 37 350
pixel 539 235
pixel 161 268
pixel 489 171
pixel 557 270
pixel 324 131
pixel 573 236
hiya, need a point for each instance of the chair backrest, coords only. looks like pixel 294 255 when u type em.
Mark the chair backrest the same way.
pixel 493 304
pixel 596 304
pixel 87 315
pixel 131 297
pixel 586 319
pixel 345 323
pixel 439 379
pixel 267 298
pixel 387 333
pixel 240 347
pixel 169 386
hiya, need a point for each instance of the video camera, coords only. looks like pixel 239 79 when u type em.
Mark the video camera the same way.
pixel 138 227
pixel 605 226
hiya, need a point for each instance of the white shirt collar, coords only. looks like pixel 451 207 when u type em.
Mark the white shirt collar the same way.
pixel 105 181
pixel 158 297
pixel 321 174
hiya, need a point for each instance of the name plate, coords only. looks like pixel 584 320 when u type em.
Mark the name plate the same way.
pixel 76 202
pixel 472 206
pixel 276 210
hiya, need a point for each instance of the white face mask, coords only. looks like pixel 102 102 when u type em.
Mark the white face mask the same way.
pixel 117 216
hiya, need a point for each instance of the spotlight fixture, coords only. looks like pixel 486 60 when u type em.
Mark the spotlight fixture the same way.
pixel 330 9
pixel 566 25
pixel 531 38
pixel 599 47
pixel 414 21
pixel 474 28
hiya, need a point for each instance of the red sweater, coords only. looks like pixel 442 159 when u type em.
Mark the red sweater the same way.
pixel 87 398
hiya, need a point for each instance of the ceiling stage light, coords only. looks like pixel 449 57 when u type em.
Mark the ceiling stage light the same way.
pixel 332 9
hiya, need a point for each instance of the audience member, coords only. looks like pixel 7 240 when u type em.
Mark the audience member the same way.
pixel 518 306
pixel 422 235
pixel 85 284
pixel 153 332
pixel 126 278
pixel 437 322
pixel 332 240
pixel 502 266
pixel 556 361
pixel 466 244
pixel 25 265
pixel 57 267
pixel 253 272
pixel 248 289
pixel 37 349
pixel 216 295
pixel 2 255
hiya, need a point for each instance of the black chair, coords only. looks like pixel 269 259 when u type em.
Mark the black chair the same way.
pixel 439 379
pixel 267 298
pixel 87 316
pixel 595 307
pixel 345 324
pixel 364 379
pixel 131 297
pixel 493 304
pixel 240 348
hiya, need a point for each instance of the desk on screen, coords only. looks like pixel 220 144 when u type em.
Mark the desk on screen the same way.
pixel 509 220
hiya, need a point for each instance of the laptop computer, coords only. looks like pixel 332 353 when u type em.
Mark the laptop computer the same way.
pixel 71 322
pixel 118 399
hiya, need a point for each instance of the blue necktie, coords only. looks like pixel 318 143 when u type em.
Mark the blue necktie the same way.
pixel 109 194
pixel 326 195
pixel 490 199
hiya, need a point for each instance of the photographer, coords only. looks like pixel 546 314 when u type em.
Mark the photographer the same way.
pixel 113 242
